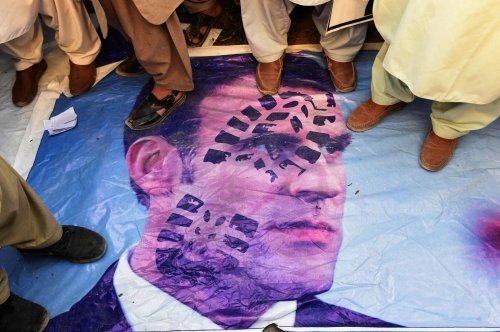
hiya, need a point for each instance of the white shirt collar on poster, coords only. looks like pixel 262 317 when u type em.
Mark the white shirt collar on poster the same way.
pixel 149 308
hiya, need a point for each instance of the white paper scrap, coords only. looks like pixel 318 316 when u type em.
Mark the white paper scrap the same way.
pixel 61 123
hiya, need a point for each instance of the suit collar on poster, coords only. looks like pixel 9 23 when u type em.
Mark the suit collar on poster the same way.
pixel 149 308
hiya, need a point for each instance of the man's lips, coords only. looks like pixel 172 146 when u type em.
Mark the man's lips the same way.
pixel 306 231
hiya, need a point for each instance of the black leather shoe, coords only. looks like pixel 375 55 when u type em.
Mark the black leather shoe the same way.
pixel 146 114
pixel 19 315
pixel 77 244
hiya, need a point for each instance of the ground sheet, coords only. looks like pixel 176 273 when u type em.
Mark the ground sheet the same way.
pixel 240 211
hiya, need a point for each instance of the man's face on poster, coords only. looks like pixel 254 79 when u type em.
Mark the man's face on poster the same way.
pixel 258 202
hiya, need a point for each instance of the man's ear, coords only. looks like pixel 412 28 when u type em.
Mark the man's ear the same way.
pixel 154 165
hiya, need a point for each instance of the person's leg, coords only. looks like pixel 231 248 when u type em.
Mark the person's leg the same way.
pixel 266 24
pixel 25 50
pixel 77 37
pixel 74 31
pixel 340 48
pixel 385 88
pixel 168 61
pixel 450 121
pixel 388 94
pixel 28 225
pixel 26 53
pixel 25 222
pixel 204 14
pixel 453 120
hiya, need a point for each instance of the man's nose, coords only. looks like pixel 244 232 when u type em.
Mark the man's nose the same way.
pixel 318 183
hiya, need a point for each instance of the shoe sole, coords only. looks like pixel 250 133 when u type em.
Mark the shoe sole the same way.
pixel 360 130
pixel 172 109
pixel 266 92
pixel 89 260
pixel 434 169
pixel 122 73
pixel 45 322
pixel 346 90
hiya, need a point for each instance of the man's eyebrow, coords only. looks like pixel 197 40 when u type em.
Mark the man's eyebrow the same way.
pixel 331 143
pixel 269 139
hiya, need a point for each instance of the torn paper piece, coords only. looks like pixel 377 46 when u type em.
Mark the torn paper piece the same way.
pixel 62 122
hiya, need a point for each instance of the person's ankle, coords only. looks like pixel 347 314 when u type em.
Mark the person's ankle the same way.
pixel 161 92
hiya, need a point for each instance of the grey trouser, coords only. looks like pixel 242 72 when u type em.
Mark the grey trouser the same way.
pixel 267 22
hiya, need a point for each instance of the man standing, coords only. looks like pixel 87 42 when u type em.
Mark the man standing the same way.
pixel 266 24
pixel 21 37
pixel 445 51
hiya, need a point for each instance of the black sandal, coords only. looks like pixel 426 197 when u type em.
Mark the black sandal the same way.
pixel 145 116
pixel 197 21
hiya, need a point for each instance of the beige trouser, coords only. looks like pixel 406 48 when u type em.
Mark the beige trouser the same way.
pixel 25 222
pixel 74 33
pixel 449 120
pixel 267 22
pixel 161 49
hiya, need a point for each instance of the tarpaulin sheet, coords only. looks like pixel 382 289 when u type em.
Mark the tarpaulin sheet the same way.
pixel 242 210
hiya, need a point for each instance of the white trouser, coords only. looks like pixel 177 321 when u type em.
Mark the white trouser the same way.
pixel 74 33
pixel 267 22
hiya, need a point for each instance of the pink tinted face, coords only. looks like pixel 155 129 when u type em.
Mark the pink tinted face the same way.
pixel 266 200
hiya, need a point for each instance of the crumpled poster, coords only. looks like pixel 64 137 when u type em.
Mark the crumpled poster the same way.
pixel 242 210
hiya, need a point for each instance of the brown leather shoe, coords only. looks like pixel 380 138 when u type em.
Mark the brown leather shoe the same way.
pixel 268 76
pixel 343 74
pixel 368 114
pixel 26 85
pixel 436 152
pixel 81 77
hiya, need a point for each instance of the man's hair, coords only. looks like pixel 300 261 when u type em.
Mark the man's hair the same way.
pixel 181 128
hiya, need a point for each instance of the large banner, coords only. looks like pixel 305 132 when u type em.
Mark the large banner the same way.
pixel 241 210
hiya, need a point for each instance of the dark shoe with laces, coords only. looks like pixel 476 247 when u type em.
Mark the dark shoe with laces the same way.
pixel 77 244
pixel 20 315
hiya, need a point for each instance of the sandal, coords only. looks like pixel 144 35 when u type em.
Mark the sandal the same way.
pixel 145 116
pixel 199 20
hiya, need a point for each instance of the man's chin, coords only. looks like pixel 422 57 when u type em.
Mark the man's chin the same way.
pixel 293 291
